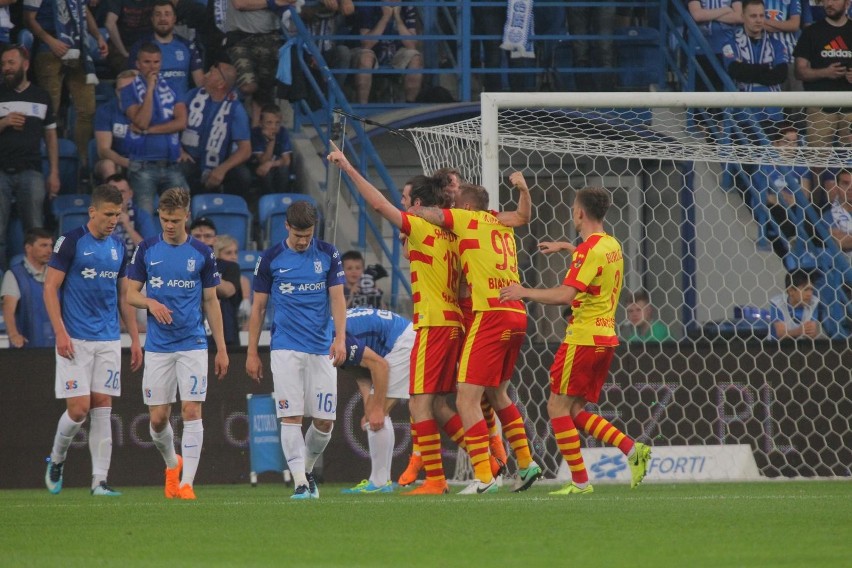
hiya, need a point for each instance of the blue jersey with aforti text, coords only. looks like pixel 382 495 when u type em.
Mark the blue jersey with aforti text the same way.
pixel 89 292
pixel 377 329
pixel 175 276
pixel 298 284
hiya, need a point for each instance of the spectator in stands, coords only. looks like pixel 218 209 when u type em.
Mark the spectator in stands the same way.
pixel 112 127
pixel 181 59
pixel 717 20
pixel 26 119
pixel 271 152
pixel 156 119
pixel 217 140
pixel 597 20
pixel 226 250
pixel 642 325
pixel 390 19
pixel 134 224
pixel 822 69
pixel 839 216
pixel 813 11
pixel 27 323
pixel 797 313
pixel 62 57
pixel 228 291
pixel 776 180
pixel 783 20
pixel 6 24
pixel 359 286
pixel 126 22
pixel 325 18
pixel 253 37
pixel 488 21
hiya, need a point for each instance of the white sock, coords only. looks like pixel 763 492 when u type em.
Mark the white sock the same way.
pixel 632 452
pixel 315 443
pixel 65 432
pixel 165 442
pixel 293 445
pixel 381 448
pixel 193 438
pixel 100 443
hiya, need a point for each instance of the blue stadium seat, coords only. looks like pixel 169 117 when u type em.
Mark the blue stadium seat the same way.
pixel 230 214
pixel 69 165
pixel 641 57
pixel 70 211
pixel 17 259
pixel 92 153
pixel 14 237
pixel 272 210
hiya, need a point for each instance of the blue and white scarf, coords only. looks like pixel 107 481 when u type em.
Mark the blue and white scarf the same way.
pixel 219 133
pixel 69 21
pixel 164 110
pixel 761 52
pixel 518 29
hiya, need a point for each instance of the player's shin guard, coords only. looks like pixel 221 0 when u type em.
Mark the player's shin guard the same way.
pixel 293 444
pixel 516 434
pixel 100 443
pixel 568 440
pixel 429 440
pixel 381 450
pixel 315 443
pixel 65 432
pixel 489 415
pixel 165 442
pixel 193 439
pixel 603 431
pixel 476 438
pixel 454 429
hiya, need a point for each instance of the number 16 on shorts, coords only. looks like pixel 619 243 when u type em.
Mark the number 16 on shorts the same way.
pixel 326 402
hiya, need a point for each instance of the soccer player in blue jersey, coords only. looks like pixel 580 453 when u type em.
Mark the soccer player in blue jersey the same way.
pixel 381 341
pixel 303 277
pixel 84 289
pixel 179 273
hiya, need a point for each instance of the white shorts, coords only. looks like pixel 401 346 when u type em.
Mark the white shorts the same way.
pixel 399 360
pixel 96 367
pixel 305 384
pixel 165 372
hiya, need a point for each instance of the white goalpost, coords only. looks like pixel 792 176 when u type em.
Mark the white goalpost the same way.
pixel 718 200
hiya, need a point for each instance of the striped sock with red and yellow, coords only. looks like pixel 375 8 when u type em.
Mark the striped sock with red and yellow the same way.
pixel 429 440
pixel 490 417
pixel 454 429
pixel 516 435
pixel 415 447
pixel 603 431
pixel 476 439
pixel 568 440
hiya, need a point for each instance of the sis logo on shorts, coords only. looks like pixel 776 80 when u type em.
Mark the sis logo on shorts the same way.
pixel 71 385
pixel 283 404
pixel 147 393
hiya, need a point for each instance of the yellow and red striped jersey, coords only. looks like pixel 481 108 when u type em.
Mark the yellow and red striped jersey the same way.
pixel 597 269
pixel 488 255
pixel 435 270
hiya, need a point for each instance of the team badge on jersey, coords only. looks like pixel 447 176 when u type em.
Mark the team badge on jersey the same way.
pixel 114 254
pixel 318 266
pixel 190 265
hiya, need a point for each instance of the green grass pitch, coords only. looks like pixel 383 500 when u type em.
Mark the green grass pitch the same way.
pixel 756 524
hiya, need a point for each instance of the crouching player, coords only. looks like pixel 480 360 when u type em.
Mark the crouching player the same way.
pixel 380 341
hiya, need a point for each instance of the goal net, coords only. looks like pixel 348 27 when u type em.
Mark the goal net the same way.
pixel 717 209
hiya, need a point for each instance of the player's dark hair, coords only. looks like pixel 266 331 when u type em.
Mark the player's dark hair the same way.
pixel 797 279
pixel 428 190
pixel 117 178
pixel 302 216
pixel 106 193
pixel 594 201
pixel 203 222
pixel 352 255
pixel 174 198
pixel 36 233
pixel 445 173
pixel 474 195
pixel 148 47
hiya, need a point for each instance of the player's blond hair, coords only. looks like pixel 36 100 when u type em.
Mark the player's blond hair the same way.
pixel 174 198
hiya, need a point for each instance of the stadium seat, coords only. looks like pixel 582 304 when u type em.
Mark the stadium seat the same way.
pixel 641 57
pixel 17 259
pixel 272 210
pixel 247 259
pixel 92 153
pixel 14 237
pixel 229 213
pixel 70 211
pixel 69 165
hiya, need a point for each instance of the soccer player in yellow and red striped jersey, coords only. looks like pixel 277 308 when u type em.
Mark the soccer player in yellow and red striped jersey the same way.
pixel 437 319
pixel 496 334
pixel 591 287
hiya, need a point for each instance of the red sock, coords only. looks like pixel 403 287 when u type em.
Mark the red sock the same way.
pixel 476 438
pixel 603 431
pixel 568 440
pixel 455 431
pixel 516 435
pixel 429 440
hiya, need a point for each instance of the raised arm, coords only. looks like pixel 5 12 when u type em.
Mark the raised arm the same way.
pixel 559 296
pixel 368 191
pixel 522 215
pixel 433 215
